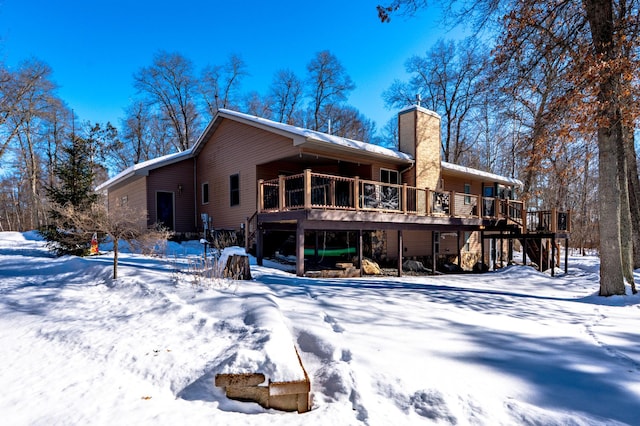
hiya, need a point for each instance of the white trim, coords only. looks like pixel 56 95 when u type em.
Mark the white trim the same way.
pixel 230 191
pixel 396 172
pixel 202 202
pixel 142 169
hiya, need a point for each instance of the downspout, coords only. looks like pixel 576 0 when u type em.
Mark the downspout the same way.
pixel 195 194
pixel 413 163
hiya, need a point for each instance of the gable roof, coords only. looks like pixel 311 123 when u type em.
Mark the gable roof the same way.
pixel 303 138
pixel 142 169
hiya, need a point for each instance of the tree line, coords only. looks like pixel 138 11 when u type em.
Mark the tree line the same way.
pixel 568 74
pixel 173 104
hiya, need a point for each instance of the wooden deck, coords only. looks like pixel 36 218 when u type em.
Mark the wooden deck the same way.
pixel 313 201
pixel 314 191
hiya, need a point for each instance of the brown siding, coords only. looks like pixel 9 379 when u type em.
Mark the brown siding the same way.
pixel 168 179
pixel 135 193
pixel 236 148
pixel 455 183
pixel 416 243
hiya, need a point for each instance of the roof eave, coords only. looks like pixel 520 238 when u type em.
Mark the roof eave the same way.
pixel 467 171
pixel 321 145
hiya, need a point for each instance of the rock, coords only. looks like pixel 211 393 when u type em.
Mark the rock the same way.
pixel 480 267
pixel 370 267
pixel 413 266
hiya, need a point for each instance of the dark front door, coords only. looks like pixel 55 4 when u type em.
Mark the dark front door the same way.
pixel 164 209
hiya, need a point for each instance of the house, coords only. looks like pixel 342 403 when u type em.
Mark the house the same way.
pixel 320 197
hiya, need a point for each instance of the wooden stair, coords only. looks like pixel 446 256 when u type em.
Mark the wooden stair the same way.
pixel 537 252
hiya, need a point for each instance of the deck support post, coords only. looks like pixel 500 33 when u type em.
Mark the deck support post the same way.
pixel 540 265
pixel 259 245
pixel 482 253
pixel 360 254
pixel 493 256
pixel 553 255
pixel 524 251
pixel 400 250
pixel 433 252
pixel 566 255
pixel 510 250
pixel 459 252
pixel 300 248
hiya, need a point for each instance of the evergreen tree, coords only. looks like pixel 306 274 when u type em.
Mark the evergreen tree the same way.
pixel 72 191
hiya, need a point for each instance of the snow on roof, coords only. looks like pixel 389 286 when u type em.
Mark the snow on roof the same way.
pixel 145 166
pixel 315 136
pixel 481 174
pixel 419 108
pixel 300 136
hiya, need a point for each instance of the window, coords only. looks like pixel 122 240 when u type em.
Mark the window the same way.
pixel 234 189
pixel 389 176
pixel 488 191
pixel 467 190
pixel 205 193
pixel 124 200
pixel 388 197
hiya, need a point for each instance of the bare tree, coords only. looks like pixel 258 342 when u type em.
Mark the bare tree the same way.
pixel 389 136
pixel 220 84
pixel 348 122
pixel 329 85
pixel 142 137
pixel 120 223
pixel 170 86
pixel 257 105
pixel 27 122
pixel 15 87
pixel 286 93
pixel 449 78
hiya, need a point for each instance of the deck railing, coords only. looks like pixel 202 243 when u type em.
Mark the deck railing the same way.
pixel 553 220
pixel 322 191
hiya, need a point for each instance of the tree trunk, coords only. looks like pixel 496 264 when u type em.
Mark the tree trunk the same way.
pixel 237 268
pixel 634 193
pixel 583 202
pixel 626 229
pixel 611 275
pixel 634 202
pixel 600 17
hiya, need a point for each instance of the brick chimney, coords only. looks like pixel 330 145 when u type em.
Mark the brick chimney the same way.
pixel 419 136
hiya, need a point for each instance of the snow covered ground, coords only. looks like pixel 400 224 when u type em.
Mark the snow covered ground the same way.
pixel 510 347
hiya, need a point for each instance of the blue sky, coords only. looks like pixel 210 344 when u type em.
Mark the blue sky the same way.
pixel 95 46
